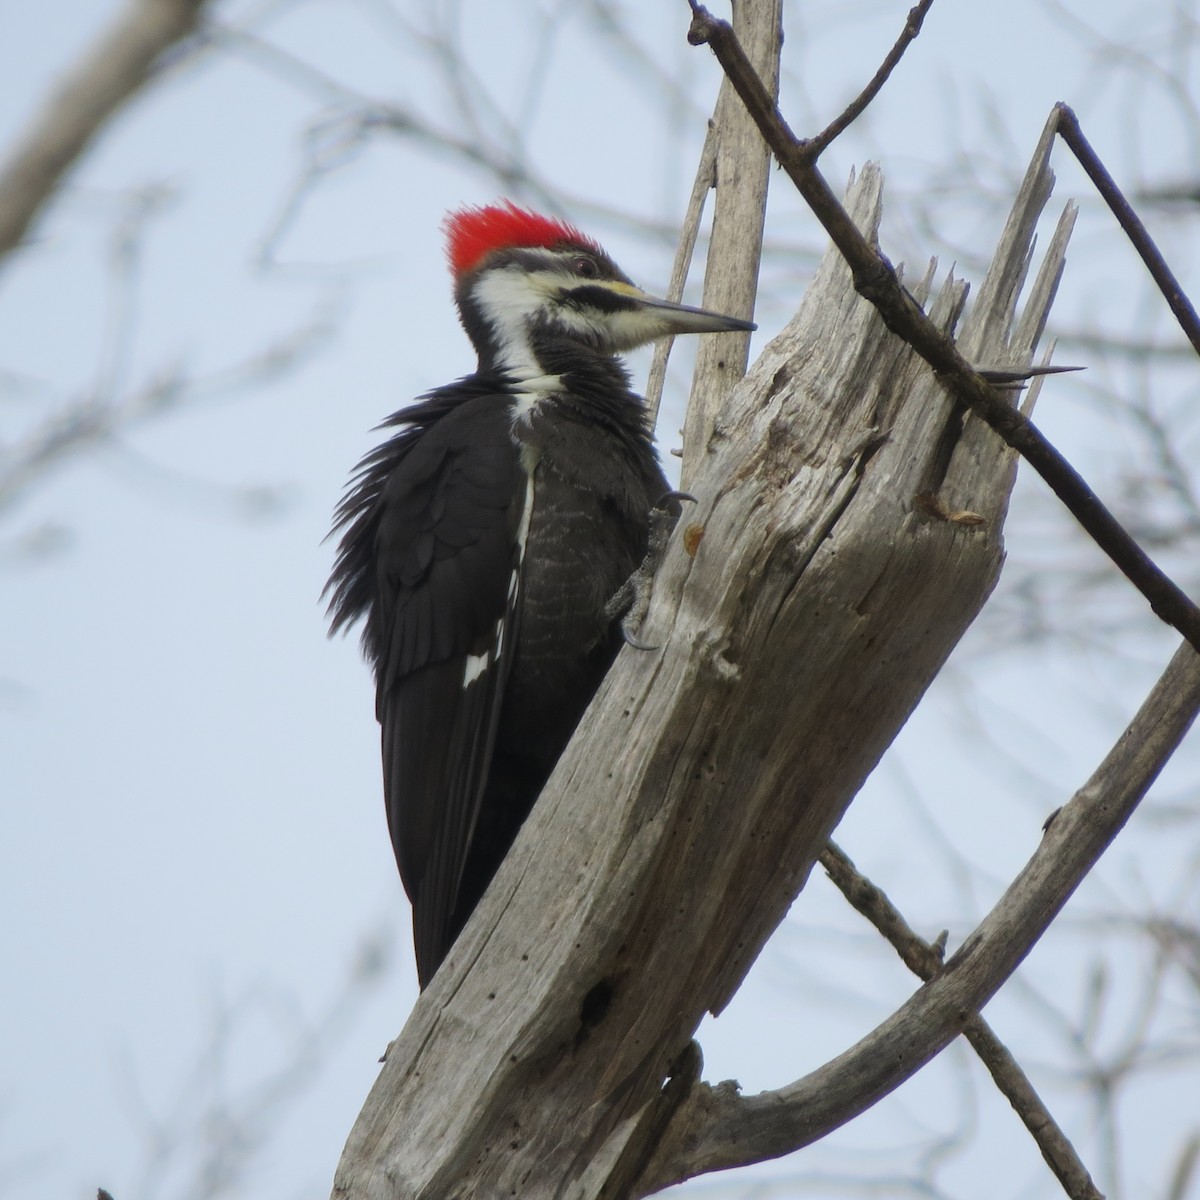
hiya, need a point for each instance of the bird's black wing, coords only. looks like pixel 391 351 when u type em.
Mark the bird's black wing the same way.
pixel 431 556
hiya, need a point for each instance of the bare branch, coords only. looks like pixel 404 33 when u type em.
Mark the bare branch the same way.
pixel 739 212
pixel 875 279
pixel 1068 128
pixel 855 109
pixel 718 1129
pixel 705 181
pixel 1115 345
pixel 85 421
pixel 109 74
pixel 926 961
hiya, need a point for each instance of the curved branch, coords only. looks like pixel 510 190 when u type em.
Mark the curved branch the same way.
pixel 717 1129
pixel 926 961
pixel 817 146
pixel 111 72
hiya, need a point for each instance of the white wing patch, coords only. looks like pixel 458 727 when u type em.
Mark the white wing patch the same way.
pixel 523 526
pixel 509 300
pixel 477 665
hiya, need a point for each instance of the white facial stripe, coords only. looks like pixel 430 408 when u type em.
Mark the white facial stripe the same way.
pixel 508 299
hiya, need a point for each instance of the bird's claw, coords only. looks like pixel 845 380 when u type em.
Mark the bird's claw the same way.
pixel 632 642
pixel 632 599
pixel 629 605
pixel 666 497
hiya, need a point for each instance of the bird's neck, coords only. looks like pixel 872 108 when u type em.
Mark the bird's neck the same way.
pixel 511 336
pixel 565 369
pixel 539 363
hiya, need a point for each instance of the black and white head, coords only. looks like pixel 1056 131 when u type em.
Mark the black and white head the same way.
pixel 522 281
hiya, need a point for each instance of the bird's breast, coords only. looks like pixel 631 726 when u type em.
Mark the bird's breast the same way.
pixel 579 548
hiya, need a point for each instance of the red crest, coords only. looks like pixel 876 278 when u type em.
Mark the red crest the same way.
pixel 473 233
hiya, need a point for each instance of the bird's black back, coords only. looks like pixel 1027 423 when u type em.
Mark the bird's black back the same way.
pixel 487 651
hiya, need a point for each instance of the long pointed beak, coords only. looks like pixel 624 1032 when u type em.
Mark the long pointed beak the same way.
pixel 631 317
pixel 683 318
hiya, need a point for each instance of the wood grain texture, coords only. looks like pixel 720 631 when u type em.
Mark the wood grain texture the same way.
pixel 741 173
pixel 707 776
pixel 715 1128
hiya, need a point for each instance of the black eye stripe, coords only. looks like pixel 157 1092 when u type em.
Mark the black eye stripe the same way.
pixel 600 299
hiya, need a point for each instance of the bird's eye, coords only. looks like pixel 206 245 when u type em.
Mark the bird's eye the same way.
pixel 586 268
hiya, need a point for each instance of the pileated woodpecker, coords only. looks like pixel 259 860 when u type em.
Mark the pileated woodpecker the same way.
pixel 484 542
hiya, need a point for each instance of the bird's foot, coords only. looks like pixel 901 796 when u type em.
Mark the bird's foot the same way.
pixel 632 598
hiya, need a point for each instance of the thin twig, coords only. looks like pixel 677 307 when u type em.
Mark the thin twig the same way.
pixel 925 961
pixel 78 423
pixel 876 281
pixel 1069 130
pixel 718 1129
pixel 816 146
pixel 706 178
pixel 734 263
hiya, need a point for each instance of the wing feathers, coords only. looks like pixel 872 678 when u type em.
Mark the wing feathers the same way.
pixel 439 729
pixel 443 539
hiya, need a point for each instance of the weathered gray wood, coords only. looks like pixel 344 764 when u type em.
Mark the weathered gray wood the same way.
pixel 689 232
pixel 717 1128
pixel 742 172
pixel 821 600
